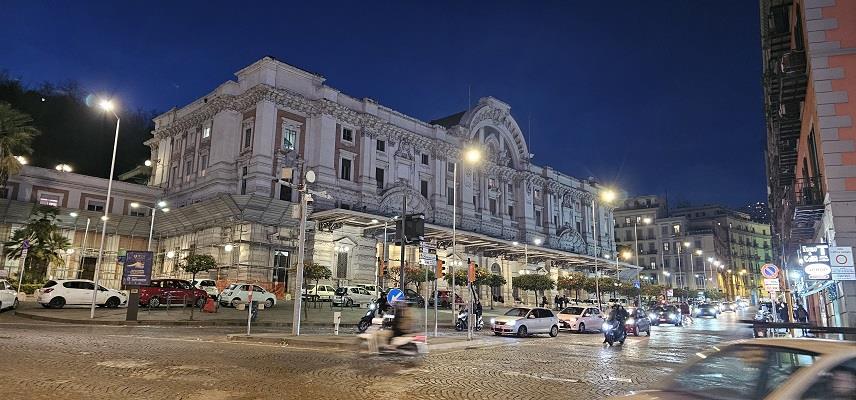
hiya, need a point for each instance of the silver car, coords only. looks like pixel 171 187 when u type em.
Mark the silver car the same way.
pixel 523 321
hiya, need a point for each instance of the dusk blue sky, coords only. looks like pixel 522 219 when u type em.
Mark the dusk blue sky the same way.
pixel 653 96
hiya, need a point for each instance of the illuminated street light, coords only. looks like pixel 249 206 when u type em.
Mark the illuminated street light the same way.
pixel 106 105
pixel 646 220
pixel 537 241
pixel 63 168
pixel 73 214
pixel 472 155
pixel 608 195
pixel 147 163
pixel 228 248
pixel 170 254
pixel 22 160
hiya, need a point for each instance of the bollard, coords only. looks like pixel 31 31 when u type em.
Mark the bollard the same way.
pixel 337 318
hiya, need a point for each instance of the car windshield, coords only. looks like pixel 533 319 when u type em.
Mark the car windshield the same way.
pixel 572 311
pixel 340 291
pixel 232 286
pixel 49 284
pixel 517 312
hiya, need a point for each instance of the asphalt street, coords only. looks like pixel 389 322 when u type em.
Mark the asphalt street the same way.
pixel 50 360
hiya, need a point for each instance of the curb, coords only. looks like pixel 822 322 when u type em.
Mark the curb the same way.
pixel 349 345
pixel 225 322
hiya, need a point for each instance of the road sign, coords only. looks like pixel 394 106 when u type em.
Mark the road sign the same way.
pixel 841 263
pixel 770 271
pixel 395 294
pixel 636 284
pixel 771 285
pixel 427 254
pixel 670 293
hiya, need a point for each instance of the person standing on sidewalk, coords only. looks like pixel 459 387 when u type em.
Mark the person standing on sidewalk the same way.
pixel 802 317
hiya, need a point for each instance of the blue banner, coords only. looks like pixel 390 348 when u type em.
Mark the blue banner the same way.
pixel 138 268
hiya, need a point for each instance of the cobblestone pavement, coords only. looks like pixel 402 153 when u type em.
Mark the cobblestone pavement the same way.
pixel 47 360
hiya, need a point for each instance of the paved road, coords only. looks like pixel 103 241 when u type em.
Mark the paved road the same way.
pixel 42 360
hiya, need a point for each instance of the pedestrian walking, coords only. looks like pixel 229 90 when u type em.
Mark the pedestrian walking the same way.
pixel 802 317
pixel 544 301
pixel 557 301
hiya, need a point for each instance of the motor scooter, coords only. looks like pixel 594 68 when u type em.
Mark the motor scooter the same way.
pixel 463 317
pixel 613 332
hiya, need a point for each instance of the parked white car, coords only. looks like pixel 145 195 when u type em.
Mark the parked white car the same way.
pixel 238 293
pixel 59 293
pixel 523 321
pixel 372 289
pixel 322 292
pixel 208 285
pixel 8 295
pixel 768 369
pixel 580 319
pixel 350 296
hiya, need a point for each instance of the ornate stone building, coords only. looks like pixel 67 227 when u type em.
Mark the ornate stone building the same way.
pixel 219 161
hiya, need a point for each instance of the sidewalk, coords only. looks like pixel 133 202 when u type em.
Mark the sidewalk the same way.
pixel 320 315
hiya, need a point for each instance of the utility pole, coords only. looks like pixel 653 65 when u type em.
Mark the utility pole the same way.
pixel 403 238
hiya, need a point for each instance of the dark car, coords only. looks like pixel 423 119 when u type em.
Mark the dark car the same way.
pixel 171 291
pixel 706 310
pixel 444 299
pixel 638 322
pixel 665 314
pixel 410 297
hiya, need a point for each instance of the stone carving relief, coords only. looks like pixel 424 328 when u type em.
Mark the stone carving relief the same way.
pixel 392 198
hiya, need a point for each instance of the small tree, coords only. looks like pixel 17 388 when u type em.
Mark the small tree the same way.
pixel 493 281
pixel 194 264
pixel 16 136
pixel 417 276
pixel 680 293
pixel 46 243
pixel 574 281
pixel 533 282
pixel 713 294
pixel 314 272
pixel 652 290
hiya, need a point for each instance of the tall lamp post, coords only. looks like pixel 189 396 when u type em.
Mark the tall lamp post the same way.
pixel 645 221
pixel 471 156
pixel 107 106
pixel 606 196
pixel 700 253
pixel 160 205
pixel 536 241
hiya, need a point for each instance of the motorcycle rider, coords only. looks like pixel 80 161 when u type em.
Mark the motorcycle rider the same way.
pixel 619 314
pixel 403 322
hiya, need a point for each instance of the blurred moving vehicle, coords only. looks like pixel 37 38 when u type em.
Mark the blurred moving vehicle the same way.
pixel 770 369
pixel 208 285
pixel 638 322
pixel 728 306
pixel 667 314
pixel 706 310
pixel 238 293
pixel 523 321
pixel 62 292
pixel 350 296
pixel 8 296
pixel 171 291
pixel 580 319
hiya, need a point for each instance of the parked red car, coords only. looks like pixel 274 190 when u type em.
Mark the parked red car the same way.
pixel 444 299
pixel 172 291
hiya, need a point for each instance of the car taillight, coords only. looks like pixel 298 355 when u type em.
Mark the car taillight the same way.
pixel 48 290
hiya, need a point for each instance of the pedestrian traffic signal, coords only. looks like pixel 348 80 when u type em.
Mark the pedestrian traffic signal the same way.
pixel 441 269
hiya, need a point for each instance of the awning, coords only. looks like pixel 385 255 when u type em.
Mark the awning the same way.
pixel 476 243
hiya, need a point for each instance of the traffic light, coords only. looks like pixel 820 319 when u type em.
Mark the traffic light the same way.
pixel 414 228
pixel 441 269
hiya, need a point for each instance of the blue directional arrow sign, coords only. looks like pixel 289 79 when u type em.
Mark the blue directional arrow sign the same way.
pixel 394 295
pixel 636 284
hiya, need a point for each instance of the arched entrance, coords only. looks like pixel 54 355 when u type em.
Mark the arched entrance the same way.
pixel 496 292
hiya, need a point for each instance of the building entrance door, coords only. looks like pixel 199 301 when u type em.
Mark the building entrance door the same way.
pixel 281 262
pixel 87 268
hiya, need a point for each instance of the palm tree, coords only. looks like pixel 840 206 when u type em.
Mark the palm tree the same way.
pixel 16 135
pixel 46 243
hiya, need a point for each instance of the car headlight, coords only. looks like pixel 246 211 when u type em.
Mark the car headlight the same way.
pixel 605 326
pixel 653 316
pixel 630 321
pixel 492 320
pixel 511 323
pixel 372 306
pixel 671 315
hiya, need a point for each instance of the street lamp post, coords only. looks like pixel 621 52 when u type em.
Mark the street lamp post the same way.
pixel 107 106
pixel 471 156
pixel 699 253
pixel 645 221
pixel 162 206
pixel 607 196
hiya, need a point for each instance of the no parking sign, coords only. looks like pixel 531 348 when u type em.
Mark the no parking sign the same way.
pixel 770 271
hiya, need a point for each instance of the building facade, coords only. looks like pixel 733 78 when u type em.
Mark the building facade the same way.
pixel 697 248
pixel 809 82
pixel 226 163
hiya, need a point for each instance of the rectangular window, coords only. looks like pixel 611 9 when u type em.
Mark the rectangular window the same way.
pixel 555 220
pixel 188 168
pixel 136 213
pixel 698 244
pixel 511 211
pixel 676 229
pixel 284 192
pixel 450 167
pixel 665 230
pixel 492 206
pixel 248 137
pixel 627 221
pixel 49 200
pixel 244 180
pixel 289 137
pixel 424 159
pixel 450 196
pixel 347 134
pixel 423 188
pixel 379 177
pixel 537 194
pixel 345 172
pixel 491 183
pixel 381 145
pixel 174 178
pixel 203 162
pixel 538 221
pixel 95 206
pixel 206 132
pixel 666 247
pixel 510 188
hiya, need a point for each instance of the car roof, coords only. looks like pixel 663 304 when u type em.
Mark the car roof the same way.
pixel 820 346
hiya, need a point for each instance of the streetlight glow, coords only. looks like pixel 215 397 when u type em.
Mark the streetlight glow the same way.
pixel 472 155
pixel 687 244
pixel 228 248
pixel 165 209
pixel 537 241
pixel 22 160
pixel 135 205
pixel 161 204
pixel 515 243
pixel 374 221
pixel 106 105
pixel 608 195
pixel 69 251
pixel 646 220
pixel 63 167
pixel 147 163
pixel 699 252
pixel 710 259
pixel 73 214
pixel 170 254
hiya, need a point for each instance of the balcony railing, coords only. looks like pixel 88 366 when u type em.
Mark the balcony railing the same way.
pixel 808 191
